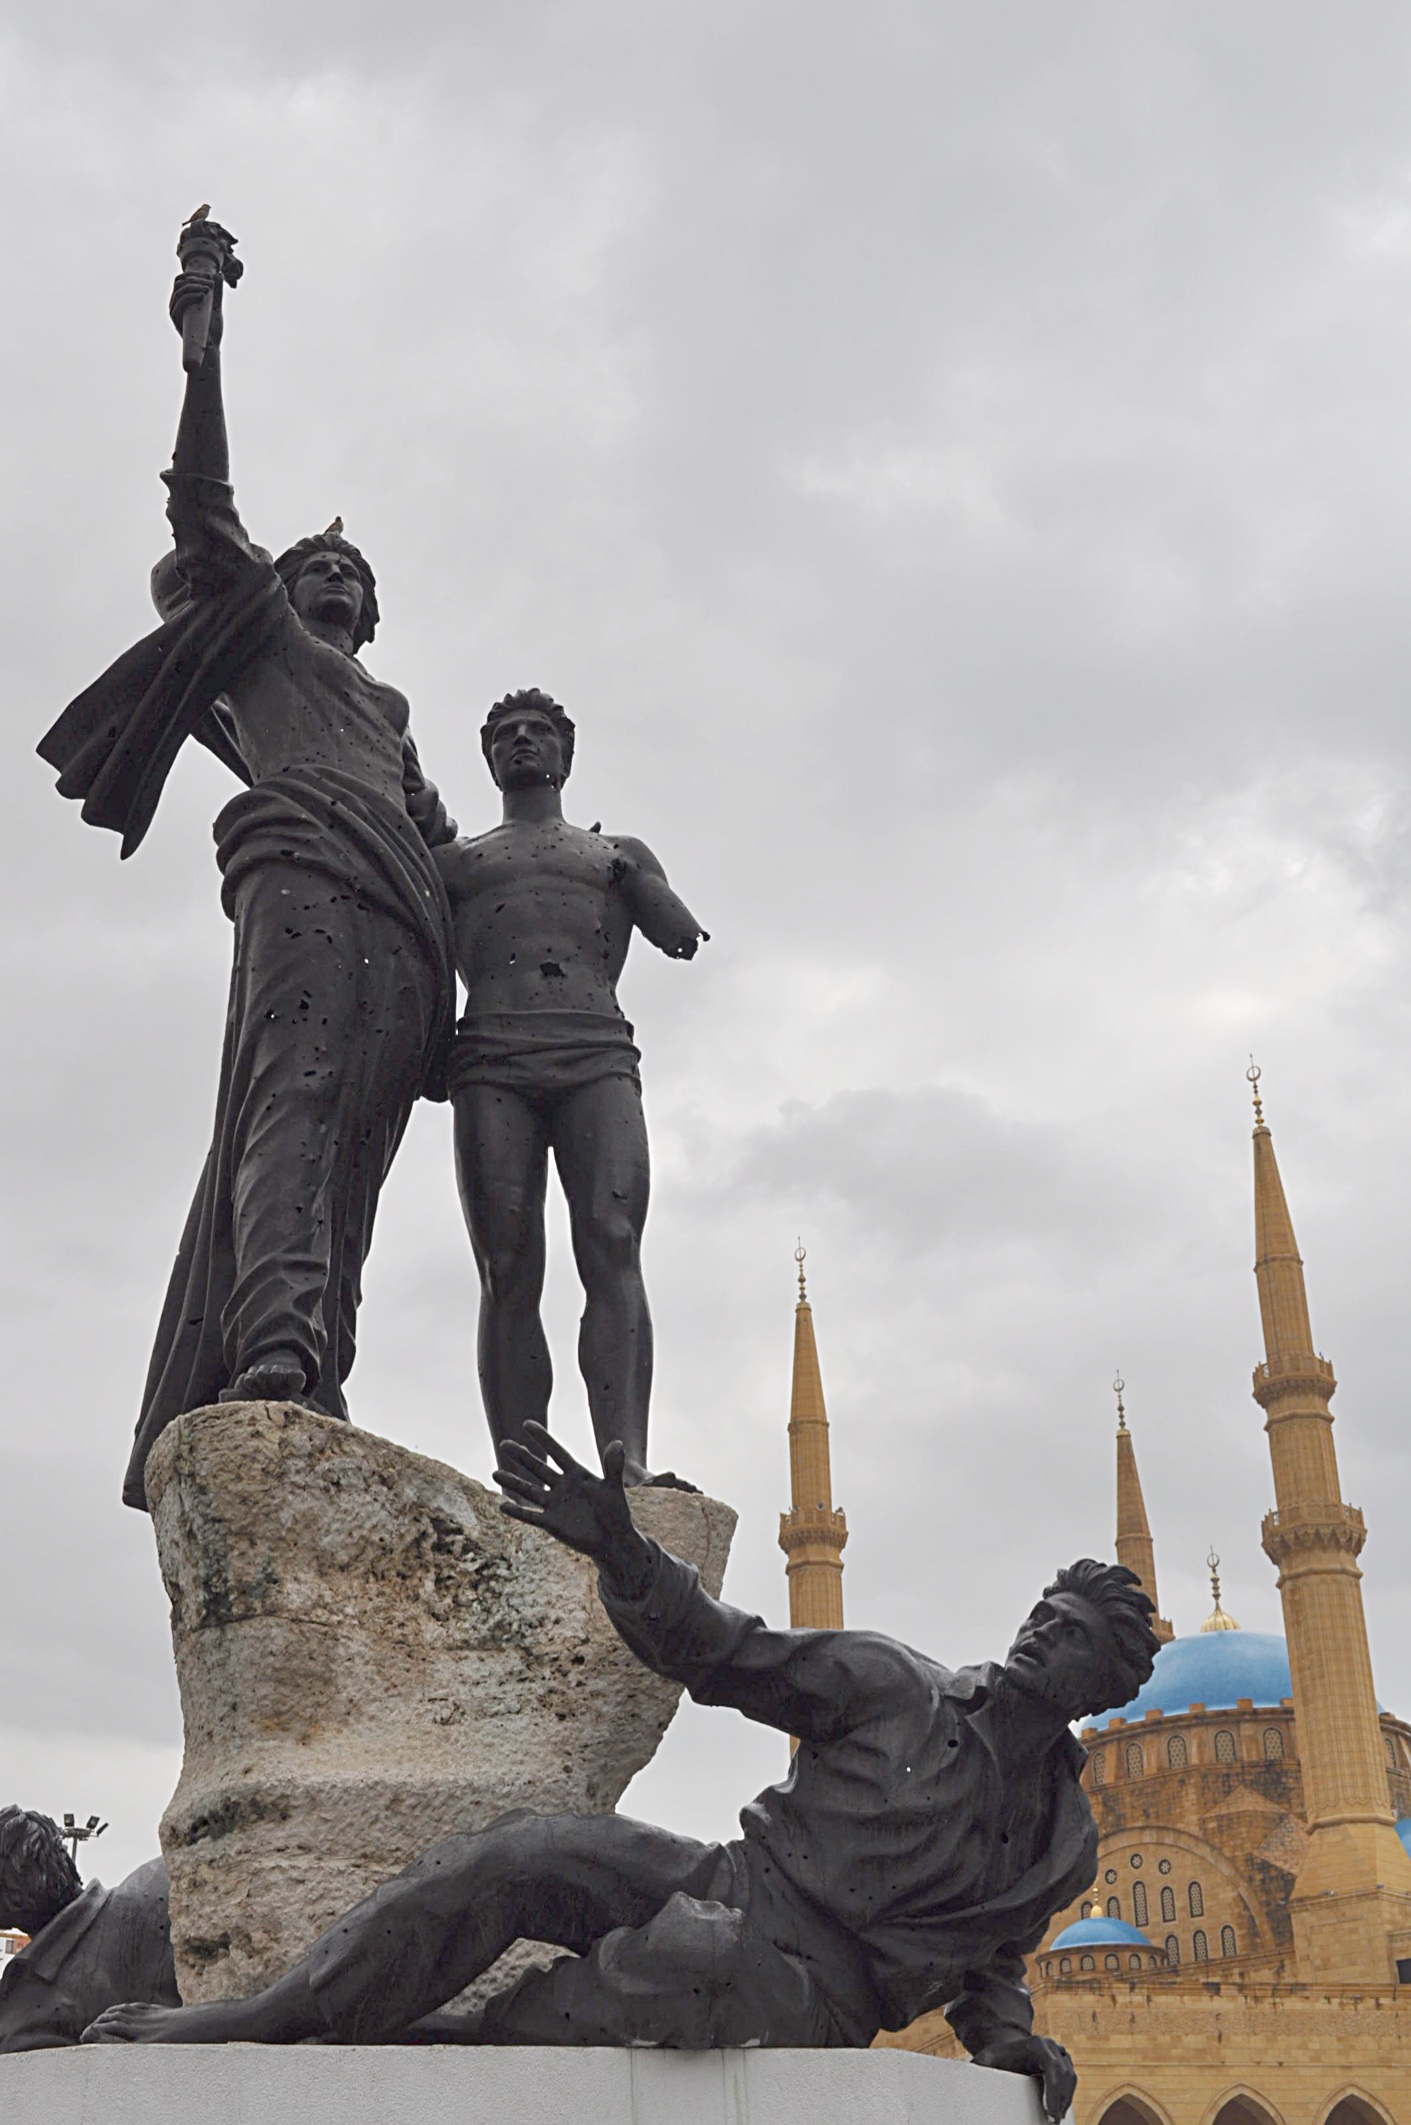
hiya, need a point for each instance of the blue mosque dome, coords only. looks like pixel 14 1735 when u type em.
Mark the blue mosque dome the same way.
pixel 1100 1933
pixel 1403 1831
pixel 1214 1668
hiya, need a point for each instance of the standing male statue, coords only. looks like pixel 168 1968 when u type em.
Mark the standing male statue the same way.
pixel 342 990
pixel 544 1059
pixel 931 1824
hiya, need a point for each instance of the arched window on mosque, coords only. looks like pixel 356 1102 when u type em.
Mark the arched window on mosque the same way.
pixel 1173 1951
pixel 1136 1762
pixel 1085 1962
pixel 1139 1910
pixel 1350 2110
pixel 1176 1752
pixel 1200 1946
pixel 1390 1746
pixel 1168 1906
pixel 1224 1746
pixel 1065 1965
pixel 1240 2111
pixel 1114 1907
pixel 1196 1900
pixel 1112 1962
pixel 1227 1941
pixel 1100 1768
pixel 1273 1744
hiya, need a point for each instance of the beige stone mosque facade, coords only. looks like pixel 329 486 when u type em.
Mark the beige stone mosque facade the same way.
pixel 1244 1955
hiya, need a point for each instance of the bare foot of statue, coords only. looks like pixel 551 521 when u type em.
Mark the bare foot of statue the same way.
pixel 285 2014
pixel 277 1378
pixel 637 1476
pixel 667 1480
pixel 217 2022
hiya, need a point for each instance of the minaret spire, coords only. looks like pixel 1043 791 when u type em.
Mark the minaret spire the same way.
pixel 812 1533
pixel 1134 1544
pixel 1353 1889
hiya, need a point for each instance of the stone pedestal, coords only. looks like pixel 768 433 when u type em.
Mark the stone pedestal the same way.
pixel 371 1656
pixel 239 2084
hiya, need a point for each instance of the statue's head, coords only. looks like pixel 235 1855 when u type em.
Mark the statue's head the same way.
pixel 328 579
pixel 1088 1646
pixel 38 1877
pixel 527 740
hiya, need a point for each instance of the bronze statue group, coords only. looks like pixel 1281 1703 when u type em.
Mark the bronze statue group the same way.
pixel 932 1821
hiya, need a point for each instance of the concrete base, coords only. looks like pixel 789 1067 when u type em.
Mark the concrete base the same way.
pixel 247 2084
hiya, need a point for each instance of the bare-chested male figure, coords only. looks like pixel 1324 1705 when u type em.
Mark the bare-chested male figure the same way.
pixel 544 1058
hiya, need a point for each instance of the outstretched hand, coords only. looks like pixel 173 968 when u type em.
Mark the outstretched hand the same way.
pixel 1047 2061
pixel 586 1512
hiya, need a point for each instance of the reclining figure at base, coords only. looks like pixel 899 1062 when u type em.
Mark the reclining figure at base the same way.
pixel 931 1824
pixel 89 1947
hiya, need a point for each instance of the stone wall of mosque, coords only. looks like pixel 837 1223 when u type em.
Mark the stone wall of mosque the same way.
pixel 1189 2050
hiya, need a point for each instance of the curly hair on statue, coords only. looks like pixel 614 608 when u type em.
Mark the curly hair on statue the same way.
pixel 1117 1594
pixel 530 698
pixel 37 1873
pixel 290 565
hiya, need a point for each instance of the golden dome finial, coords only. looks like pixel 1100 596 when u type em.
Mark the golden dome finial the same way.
pixel 800 1256
pixel 1218 1619
pixel 1254 1073
pixel 1118 1385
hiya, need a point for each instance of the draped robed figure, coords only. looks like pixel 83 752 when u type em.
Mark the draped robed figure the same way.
pixel 342 987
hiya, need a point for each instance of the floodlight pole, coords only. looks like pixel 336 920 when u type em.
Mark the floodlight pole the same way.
pixel 75 1834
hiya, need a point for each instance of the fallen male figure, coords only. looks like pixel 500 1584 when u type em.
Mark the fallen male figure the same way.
pixel 89 1947
pixel 929 1827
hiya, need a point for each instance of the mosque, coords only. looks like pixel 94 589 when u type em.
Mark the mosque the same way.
pixel 1244 1955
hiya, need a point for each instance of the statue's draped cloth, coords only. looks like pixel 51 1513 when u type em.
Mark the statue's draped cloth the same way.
pixel 341 997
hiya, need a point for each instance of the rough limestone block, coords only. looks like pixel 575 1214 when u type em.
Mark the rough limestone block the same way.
pixel 241 2083
pixel 370 1656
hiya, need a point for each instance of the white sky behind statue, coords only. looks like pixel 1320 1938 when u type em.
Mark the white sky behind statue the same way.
pixel 956 466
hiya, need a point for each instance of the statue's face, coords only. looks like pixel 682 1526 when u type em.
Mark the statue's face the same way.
pixel 526 751
pixel 329 589
pixel 1064 1652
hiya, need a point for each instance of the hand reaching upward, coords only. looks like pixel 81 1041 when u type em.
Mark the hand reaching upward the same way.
pixel 585 1512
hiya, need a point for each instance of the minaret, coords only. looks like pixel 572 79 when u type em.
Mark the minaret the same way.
pixel 1134 1544
pixel 1353 1889
pixel 811 1533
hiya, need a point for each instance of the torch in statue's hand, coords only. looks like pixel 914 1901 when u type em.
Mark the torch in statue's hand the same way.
pixel 207 254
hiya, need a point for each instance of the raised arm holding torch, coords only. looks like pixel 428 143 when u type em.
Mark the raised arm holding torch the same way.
pixel 207 250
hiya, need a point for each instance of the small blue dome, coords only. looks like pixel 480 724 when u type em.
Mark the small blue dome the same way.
pixel 1101 1933
pixel 1216 1669
pixel 1403 1831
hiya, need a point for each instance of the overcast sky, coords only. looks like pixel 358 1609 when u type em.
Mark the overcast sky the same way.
pixel 955 464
